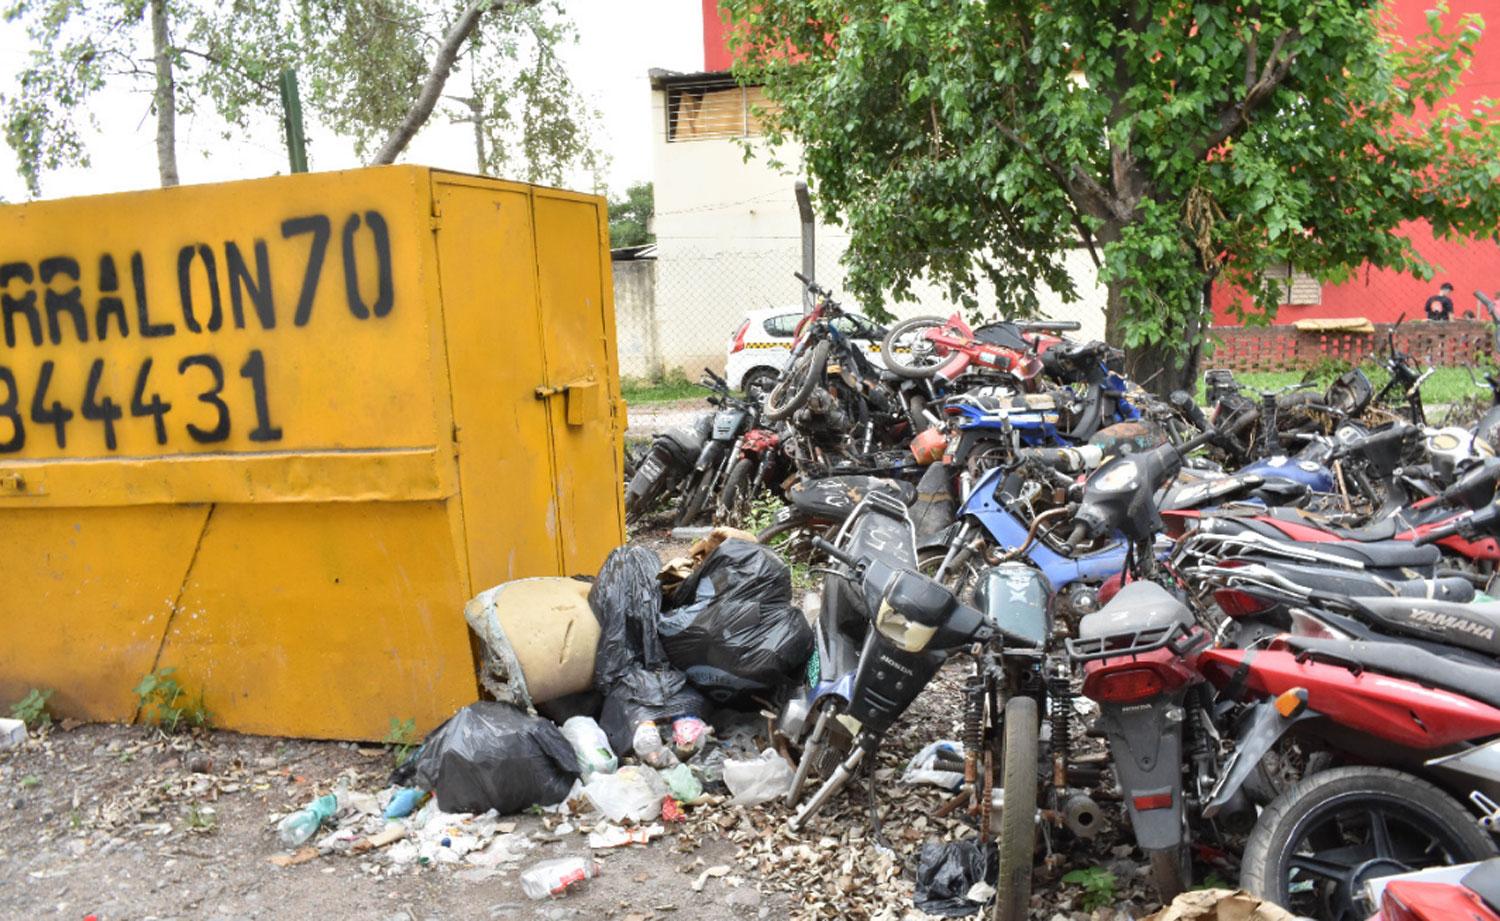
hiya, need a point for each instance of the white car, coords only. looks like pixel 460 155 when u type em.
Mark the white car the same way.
pixel 759 347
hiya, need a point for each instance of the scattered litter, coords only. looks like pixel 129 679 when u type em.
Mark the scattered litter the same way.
pixel 607 836
pixel 689 735
pixel 670 811
pixel 1220 905
pixel 922 768
pixel 291 860
pixel 758 780
pixel 648 746
pixel 491 755
pixel 703 877
pixel 684 785
pixel 632 793
pixel 644 694
pixel 591 745
pixel 12 732
pixel 406 800
pixel 393 833
pixel 300 826
pixel 949 873
pixel 552 878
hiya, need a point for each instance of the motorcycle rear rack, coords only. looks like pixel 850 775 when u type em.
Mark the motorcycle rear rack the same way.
pixel 1181 639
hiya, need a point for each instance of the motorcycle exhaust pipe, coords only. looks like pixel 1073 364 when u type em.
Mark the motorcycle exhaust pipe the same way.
pixel 1082 816
pixel 825 793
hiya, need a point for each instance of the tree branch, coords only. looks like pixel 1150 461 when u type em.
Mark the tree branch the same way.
pixel 437 77
pixel 1233 119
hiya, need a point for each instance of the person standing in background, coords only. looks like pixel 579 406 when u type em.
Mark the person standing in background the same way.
pixel 1439 307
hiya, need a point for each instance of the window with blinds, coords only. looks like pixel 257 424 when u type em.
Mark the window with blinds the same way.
pixel 710 110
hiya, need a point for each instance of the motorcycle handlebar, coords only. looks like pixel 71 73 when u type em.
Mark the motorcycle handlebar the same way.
pixel 1467 522
pixel 833 551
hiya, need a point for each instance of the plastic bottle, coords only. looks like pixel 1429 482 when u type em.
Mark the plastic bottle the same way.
pixel 301 825
pixel 406 800
pixel 591 745
pixel 650 748
pixel 552 878
pixel 689 733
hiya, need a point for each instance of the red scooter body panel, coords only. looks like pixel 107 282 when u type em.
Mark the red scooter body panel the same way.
pixel 1414 901
pixel 1392 709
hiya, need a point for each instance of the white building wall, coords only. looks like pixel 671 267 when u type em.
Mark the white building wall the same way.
pixel 728 239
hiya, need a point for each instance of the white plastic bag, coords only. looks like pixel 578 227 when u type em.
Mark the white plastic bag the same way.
pixel 632 793
pixel 921 768
pixel 592 745
pixel 758 780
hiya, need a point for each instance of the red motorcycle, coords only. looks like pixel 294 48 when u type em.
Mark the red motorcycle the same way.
pixel 925 347
pixel 1470 893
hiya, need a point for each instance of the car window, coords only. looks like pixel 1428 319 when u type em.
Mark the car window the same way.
pixel 783 326
pixel 849 326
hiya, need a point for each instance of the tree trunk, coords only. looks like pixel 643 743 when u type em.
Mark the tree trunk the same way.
pixel 166 95
pixel 442 66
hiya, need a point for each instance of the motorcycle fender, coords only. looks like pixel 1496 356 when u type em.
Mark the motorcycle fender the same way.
pixel 1261 729
pixel 1146 748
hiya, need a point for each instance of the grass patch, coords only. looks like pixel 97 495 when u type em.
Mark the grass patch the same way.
pixel 1446 385
pixel 667 388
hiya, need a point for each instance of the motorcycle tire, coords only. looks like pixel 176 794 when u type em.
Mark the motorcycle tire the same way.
pixel 1308 806
pixel 695 497
pixel 735 497
pixel 798 383
pixel 896 365
pixel 1017 839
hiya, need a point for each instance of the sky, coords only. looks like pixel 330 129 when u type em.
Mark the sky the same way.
pixel 617 43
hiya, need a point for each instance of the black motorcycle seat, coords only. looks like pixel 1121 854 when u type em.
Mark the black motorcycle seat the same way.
pixel 833 498
pixel 1380 530
pixel 1355 583
pixel 1135 608
pixel 1401 660
pixel 1379 554
pixel 1469 626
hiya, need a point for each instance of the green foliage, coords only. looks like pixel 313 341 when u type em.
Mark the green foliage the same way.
pixel 361 64
pixel 629 217
pixel 166 703
pixel 403 738
pixel 1098 886
pixel 1180 142
pixel 32 709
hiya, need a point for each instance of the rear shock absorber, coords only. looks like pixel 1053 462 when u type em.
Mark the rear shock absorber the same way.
pixel 973 737
pixel 1060 707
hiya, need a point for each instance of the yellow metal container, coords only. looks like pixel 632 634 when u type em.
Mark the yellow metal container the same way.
pixel 274 434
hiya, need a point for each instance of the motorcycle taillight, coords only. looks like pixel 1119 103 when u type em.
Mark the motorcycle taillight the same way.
pixel 1125 684
pixel 1235 603
pixel 739 338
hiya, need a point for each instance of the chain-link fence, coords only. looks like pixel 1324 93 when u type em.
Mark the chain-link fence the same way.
pixel 680 311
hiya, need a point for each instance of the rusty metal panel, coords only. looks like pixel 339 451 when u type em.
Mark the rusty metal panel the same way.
pixel 275 433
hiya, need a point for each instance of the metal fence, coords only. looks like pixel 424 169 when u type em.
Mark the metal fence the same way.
pixel 679 311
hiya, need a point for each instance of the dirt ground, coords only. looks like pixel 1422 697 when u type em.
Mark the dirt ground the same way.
pixel 123 822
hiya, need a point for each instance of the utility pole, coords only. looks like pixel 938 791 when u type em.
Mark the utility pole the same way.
pixel 809 225
pixel 291 105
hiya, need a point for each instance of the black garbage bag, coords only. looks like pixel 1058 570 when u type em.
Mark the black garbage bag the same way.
pixel 626 599
pixel 491 755
pixel 644 694
pixel 946 870
pixel 731 627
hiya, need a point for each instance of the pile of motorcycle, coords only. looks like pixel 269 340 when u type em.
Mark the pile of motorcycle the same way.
pixel 835 425
pixel 1274 613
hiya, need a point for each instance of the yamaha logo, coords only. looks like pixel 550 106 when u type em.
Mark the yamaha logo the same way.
pixel 1450 622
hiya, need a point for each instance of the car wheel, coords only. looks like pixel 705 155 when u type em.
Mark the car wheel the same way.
pixel 758 383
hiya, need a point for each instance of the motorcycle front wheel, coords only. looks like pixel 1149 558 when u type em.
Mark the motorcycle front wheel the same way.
pixel 1017 840
pixel 1316 845
pixel 737 493
pixel 798 383
pixel 906 352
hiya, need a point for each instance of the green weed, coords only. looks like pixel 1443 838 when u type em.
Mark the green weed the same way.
pixel 1098 886
pixel 403 738
pixel 166 703
pixel 32 709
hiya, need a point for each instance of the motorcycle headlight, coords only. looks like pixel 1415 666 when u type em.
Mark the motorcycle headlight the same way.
pixel 899 629
pixel 1119 477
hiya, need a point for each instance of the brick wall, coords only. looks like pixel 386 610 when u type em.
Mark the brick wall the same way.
pixel 1284 348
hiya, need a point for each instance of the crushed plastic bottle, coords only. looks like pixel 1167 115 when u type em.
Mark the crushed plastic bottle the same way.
pixel 649 747
pixel 552 878
pixel 689 734
pixel 297 828
pixel 406 801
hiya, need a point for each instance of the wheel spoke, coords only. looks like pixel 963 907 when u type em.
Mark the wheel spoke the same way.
pixel 1320 866
pixel 1380 835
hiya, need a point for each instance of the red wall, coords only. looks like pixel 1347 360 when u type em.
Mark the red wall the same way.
pixel 1381 295
pixel 715 38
